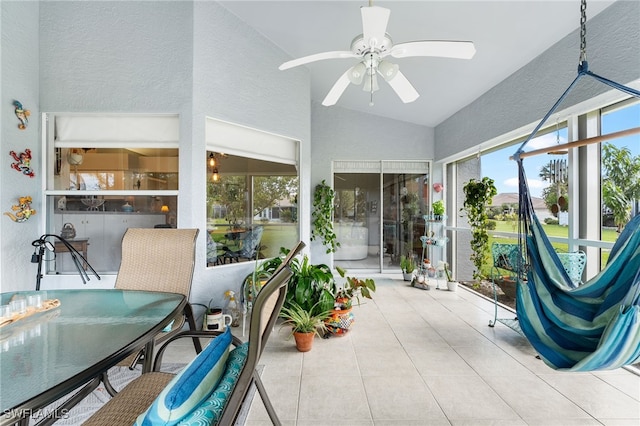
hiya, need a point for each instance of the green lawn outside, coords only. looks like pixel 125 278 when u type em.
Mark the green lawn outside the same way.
pixel 275 235
pixel 608 234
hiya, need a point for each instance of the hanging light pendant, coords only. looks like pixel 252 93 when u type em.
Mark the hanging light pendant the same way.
pixel 213 166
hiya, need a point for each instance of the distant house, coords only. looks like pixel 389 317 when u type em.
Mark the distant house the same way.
pixel 512 198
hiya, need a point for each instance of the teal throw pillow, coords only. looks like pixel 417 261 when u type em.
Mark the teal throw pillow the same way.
pixel 210 411
pixel 189 388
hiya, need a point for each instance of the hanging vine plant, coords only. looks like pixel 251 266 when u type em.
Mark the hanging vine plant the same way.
pixel 478 195
pixel 322 217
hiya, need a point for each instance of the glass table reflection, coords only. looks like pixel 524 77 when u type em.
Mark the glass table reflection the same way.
pixel 50 354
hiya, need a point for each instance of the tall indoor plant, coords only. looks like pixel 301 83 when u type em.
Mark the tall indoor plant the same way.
pixel 322 217
pixel 478 195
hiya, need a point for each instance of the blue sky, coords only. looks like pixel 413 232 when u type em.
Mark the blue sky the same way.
pixel 504 172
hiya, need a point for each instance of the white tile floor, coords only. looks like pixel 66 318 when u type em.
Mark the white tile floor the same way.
pixel 417 357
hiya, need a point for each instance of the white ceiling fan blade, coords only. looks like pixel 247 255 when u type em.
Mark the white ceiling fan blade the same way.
pixel 338 88
pixel 374 24
pixel 440 48
pixel 403 88
pixel 341 54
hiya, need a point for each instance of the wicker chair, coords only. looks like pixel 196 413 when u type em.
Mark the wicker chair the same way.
pixel 157 259
pixel 134 399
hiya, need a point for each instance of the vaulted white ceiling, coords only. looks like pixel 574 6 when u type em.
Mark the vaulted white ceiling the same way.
pixel 507 35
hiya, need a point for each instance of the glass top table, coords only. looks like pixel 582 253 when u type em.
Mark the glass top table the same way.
pixel 47 355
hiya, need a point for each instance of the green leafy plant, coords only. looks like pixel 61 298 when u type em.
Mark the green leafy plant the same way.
pixel 620 183
pixel 447 272
pixel 312 286
pixel 253 282
pixel 322 217
pixel 407 264
pixel 303 321
pixel 353 287
pixel 478 195
pixel 438 208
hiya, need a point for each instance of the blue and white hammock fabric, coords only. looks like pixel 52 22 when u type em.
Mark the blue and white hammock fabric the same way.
pixel 595 326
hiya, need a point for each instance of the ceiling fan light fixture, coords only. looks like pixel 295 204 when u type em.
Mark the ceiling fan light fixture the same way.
pixel 388 70
pixel 356 75
pixel 371 83
pixel 374 44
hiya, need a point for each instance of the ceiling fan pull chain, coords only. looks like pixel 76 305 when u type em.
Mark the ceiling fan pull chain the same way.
pixel 583 32
pixel 371 75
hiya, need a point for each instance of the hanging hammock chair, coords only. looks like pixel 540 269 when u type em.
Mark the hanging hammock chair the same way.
pixel 594 326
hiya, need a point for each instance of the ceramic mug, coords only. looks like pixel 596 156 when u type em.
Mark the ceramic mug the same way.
pixel 216 320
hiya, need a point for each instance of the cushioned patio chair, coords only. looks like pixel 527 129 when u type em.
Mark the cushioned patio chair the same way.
pixel 248 246
pixel 159 259
pixel 212 388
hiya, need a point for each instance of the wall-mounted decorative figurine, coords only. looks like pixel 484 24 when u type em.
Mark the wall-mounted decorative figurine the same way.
pixel 22 210
pixel 23 162
pixel 22 114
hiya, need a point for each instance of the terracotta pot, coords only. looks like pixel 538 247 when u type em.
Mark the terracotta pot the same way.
pixel 304 341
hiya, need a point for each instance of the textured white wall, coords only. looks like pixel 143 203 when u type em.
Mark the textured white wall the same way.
pixel 341 134
pixel 236 79
pixel 190 58
pixel 116 56
pixel 18 80
pixel 613 37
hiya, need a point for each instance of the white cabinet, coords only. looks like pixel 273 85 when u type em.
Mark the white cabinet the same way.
pixel 104 231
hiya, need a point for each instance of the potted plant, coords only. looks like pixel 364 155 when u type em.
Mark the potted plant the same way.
pixel 478 195
pixel 451 284
pixel 438 210
pixel 354 287
pixel 322 217
pixel 311 286
pixel 408 265
pixel 341 316
pixel 304 325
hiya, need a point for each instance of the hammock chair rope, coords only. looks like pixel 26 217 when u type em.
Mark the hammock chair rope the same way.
pixel 589 327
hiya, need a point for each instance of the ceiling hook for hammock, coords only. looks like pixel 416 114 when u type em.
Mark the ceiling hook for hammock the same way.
pixel 582 61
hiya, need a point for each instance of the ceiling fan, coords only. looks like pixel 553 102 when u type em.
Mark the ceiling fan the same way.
pixel 371 47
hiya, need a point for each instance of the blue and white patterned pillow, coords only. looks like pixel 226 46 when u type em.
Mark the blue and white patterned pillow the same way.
pixel 209 412
pixel 188 389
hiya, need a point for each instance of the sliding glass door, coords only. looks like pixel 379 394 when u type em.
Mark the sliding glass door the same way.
pixel 378 213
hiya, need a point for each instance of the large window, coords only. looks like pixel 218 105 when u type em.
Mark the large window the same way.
pixel 566 194
pixel 251 208
pixel 252 193
pixel 620 168
pixel 107 173
pixel 547 179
